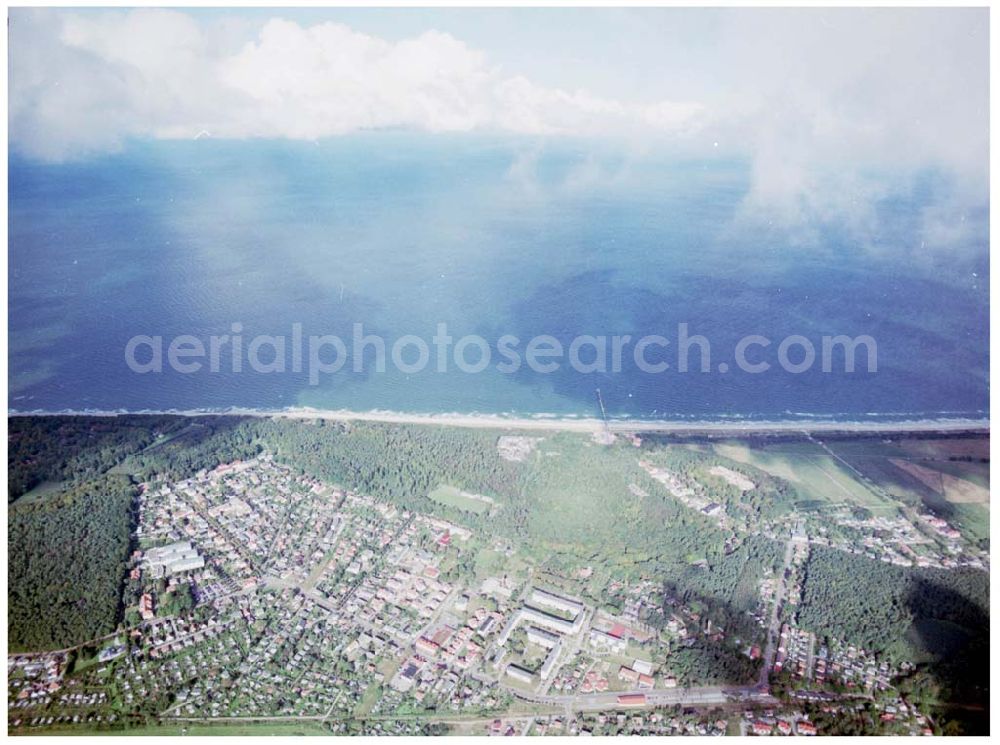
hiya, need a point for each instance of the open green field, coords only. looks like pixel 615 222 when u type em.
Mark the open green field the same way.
pixel 43 491
pixel 948 476
pixel 976 473
pixel 371 696
pixel 923 472
pixel 816 475
pixel 452 497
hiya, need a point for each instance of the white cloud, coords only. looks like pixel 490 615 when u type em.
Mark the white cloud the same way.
pixel 837 108
pixel 833 109
pixel 329 80
pixel 159 73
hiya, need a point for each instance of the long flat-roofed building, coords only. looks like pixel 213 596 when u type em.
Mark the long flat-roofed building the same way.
pixel 543 619
pixel 173 558
pixel 550 661
pixel 550 599
pixel 519 673
pixel 542 638
pixel 553 623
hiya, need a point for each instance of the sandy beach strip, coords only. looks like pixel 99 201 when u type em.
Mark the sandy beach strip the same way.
pixel 557 424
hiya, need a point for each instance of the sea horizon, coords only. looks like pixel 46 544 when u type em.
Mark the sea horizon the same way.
pixel 404 233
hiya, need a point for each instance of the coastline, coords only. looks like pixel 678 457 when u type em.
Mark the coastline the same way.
pixel 563 424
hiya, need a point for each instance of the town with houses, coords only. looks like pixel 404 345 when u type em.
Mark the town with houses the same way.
pixel 256 594
pixel 920 539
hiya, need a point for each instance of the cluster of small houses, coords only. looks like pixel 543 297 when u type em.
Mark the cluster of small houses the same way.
pixel 891 539
pixel 34 679
pixel 406 586
pixel 446 651
pixel 293 669
pixel 364 531
pixel 650 723
pixel 844 663
pixel 290 670
pixel 140 679
pixel 36 682
pixel 206 516
pixel 240 502
pixel 359 601
pixel 892 712
pixel 770 725
pixel 690 492
pixel 895 540
pixel 799 653
pixel 243 517
pixel 90 717
pixel 162 637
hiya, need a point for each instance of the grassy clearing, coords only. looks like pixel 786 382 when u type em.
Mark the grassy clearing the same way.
pixel 942 449
pixel 971 519
pixel 770 462
pixel 42 492
pixel 898 468
pixel 976 473
pixel 371 696
pixel 452 497
pixel 952 488
pixel 818 476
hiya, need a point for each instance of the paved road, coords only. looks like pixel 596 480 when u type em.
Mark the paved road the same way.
pixel 428 716
pixel 709 695
pixel 774 626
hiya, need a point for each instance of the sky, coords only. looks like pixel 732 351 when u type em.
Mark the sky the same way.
pixel 830 108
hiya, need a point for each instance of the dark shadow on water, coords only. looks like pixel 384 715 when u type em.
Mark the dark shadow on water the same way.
pixel 911 377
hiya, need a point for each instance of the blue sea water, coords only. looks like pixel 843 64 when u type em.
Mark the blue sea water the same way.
pixel 492 237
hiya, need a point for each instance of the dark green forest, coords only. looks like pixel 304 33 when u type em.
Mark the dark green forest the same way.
pixel 938 617
pixel 66 562
pixel 74 448
pixel 726 590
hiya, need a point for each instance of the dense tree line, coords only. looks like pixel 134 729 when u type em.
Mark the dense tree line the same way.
pixel 873 603
pixel 939 617
pixel 402 464
pixel 709 663
pixel 729 587
pixel 74 448
pixel 66 562
pixel 853 598
pixel 203 443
